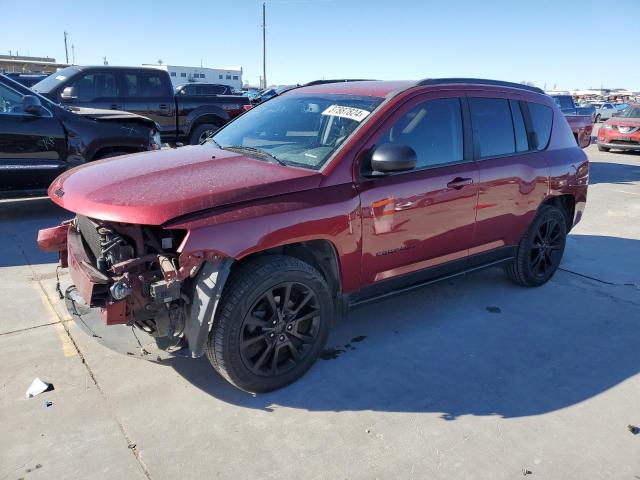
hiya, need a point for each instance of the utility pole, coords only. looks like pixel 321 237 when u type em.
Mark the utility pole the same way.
pixel 66 50
pixel 73 54
pixel 264 44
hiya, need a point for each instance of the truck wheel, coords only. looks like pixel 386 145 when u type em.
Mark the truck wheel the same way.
pixel 273 320
pixel 603 149
pixel 598 118
pixel 202 132
pixel 540 251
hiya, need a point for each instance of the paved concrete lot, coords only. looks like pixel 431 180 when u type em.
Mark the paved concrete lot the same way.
pixel 470 379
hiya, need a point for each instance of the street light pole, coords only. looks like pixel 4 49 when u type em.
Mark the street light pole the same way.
pixel 66 50
pixel 264 45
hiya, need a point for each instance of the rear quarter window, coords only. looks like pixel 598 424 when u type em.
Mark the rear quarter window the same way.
pixel 541 122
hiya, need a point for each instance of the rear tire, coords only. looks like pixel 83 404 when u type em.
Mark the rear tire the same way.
pixel 272 323
pixel 202 132
pixel 540 251
pixel 603 149
pixel 598 118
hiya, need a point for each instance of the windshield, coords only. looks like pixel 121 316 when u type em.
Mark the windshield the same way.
pixel 297 130
pixel 53 80
pixel 630 112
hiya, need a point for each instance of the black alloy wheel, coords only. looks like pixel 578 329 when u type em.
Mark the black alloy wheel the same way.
pixel 540 251
pixel 279 329
pixel 546 250
pixel 272 322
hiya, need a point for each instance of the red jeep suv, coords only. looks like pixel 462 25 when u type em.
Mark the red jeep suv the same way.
pixel 328 196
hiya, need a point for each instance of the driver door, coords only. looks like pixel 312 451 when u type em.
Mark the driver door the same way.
pixel 32 147
pixel 419 224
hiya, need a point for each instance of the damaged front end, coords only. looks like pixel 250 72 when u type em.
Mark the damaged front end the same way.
pixel 133 285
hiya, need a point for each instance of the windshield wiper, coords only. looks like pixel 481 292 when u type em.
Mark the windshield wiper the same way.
pixel 255 151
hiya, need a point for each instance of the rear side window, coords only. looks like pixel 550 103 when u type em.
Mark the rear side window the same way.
pixel 433 129
pixel 145 84
pixel 520 131
pixel 541 120
pixel 492 126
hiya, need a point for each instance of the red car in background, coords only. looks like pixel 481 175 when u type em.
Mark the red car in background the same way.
pixel 621 132
pixel 248 247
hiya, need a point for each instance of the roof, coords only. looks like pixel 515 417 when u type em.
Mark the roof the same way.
pixel 385 88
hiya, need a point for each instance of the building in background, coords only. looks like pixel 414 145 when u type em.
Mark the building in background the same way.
pixel 180 75
pixel 22 64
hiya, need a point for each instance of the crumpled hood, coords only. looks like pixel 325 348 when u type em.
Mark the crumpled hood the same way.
pixel 154 187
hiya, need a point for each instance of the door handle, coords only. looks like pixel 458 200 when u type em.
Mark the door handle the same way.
pixel 164 106
pixel 459 182
pixel 115 106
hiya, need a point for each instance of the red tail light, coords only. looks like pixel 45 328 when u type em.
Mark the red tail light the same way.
pixel 246 108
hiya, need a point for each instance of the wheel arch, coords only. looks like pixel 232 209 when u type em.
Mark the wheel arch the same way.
pixel 566 203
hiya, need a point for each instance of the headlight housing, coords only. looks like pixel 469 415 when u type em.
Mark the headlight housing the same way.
pixel 155 142
pixel 608 126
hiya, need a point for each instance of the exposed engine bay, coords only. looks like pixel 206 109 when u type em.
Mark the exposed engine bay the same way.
pixel 144 288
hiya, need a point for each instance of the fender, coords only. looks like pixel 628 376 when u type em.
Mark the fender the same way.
pixel 329 213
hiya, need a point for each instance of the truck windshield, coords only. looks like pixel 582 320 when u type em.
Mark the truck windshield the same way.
pixel 53 80
pixel 297 129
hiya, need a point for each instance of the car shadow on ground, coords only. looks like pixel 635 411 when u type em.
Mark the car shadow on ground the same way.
pixel 20 221
pixel 618 173
pixel 477 345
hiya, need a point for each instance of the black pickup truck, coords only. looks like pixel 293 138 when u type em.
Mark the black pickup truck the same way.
pixel 40 139
pixel 145 91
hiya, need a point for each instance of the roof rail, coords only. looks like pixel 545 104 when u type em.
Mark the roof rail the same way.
pixel 339 80
pixel 479 81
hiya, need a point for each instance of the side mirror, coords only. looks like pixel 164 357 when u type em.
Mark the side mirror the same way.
pixel 68 94
pixel 392 157
pixel 31 104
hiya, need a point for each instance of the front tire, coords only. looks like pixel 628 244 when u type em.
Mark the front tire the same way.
pixel 540 251
pixel 272 323
pixel 598 117
pixel 603 149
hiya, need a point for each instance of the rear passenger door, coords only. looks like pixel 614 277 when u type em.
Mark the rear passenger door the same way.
pixel 513 172
pixel 147 93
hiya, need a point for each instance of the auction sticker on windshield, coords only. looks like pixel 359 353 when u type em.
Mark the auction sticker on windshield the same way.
pixel 351 113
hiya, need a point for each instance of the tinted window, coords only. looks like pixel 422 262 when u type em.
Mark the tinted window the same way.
pixel 565 102
pixel 173 74
pixel 541 118
pixel 93 86
pixel 10 101
pixel 144 85
pixel 522 144
pixel 433 129
pixel 183 74
pixel 492 126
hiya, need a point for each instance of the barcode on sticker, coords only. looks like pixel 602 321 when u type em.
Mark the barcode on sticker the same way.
pixel 351 113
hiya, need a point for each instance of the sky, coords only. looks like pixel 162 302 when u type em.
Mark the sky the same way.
pixel 554 44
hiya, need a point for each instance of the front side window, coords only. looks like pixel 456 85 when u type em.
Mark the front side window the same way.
pixel 10 101
pixel 433 129
pixel 300 130
pixel 541 120
pixel 94 86
pixel 492 126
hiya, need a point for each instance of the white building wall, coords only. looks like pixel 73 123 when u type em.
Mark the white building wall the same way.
pixel 180 75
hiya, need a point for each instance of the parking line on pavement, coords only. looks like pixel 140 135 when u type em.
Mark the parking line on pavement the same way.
pixel 68 349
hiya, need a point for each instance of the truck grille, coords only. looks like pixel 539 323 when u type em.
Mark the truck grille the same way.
pixel 89 231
